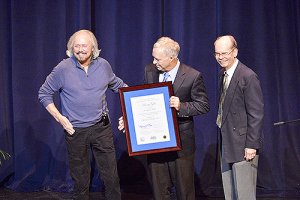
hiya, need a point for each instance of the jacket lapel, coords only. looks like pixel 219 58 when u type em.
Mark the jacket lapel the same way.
pixel 180 76
pixel 152 75
pixel 231 92
pixel 220 81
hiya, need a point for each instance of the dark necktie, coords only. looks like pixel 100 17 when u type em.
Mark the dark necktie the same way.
pixel 220 111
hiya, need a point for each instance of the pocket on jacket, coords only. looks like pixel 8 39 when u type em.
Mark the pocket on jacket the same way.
pixel 242 131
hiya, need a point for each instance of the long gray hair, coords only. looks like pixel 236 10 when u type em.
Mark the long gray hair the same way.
pixel 93 39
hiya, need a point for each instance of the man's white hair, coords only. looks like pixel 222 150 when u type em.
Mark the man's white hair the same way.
pixel 170 47
pixel 93 40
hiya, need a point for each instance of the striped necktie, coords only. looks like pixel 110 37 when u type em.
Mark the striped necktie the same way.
pixel 166 77
pixel 220 110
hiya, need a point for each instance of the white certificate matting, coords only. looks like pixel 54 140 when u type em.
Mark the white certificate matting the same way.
pixel 150 119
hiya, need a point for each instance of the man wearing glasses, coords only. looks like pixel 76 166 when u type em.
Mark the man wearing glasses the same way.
pixel 240 121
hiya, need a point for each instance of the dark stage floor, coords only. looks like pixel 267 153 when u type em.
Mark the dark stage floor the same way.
pixel 6 194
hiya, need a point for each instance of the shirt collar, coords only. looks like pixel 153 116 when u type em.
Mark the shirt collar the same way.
pixel 173 71
pixel 231 70
pixel 77 63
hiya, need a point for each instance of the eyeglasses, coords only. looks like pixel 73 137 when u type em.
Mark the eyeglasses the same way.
pixel 83 46
pixel 224 54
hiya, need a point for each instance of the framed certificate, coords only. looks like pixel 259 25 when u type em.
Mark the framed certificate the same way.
pixel 150 123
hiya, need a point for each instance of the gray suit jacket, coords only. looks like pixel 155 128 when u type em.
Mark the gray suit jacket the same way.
pixel 243 112
pixel 190 89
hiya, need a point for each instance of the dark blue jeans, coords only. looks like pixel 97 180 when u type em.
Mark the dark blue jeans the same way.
pixel 99 138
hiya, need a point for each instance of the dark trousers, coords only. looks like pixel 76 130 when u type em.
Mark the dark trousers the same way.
pixel 167 171
pixel 99 138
